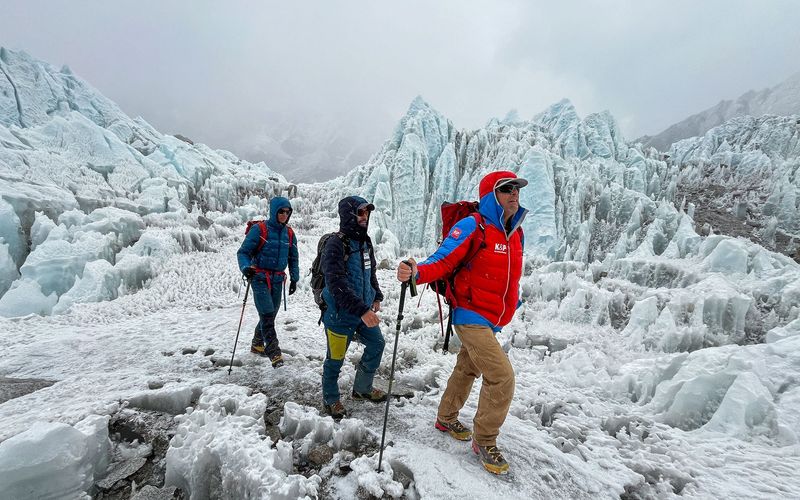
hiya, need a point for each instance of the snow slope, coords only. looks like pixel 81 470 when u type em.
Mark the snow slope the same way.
pixel 596 414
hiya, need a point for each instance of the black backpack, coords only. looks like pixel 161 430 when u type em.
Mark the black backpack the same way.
pixel 317 276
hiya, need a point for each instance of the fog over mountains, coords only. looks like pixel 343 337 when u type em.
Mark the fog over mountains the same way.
pixel 782 99
pixel 309 148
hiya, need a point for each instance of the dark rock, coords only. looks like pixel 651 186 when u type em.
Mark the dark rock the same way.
pixel 183 138
pixel 11 388
pixel 204 222
pixel 402 474
pixel 120 471
pixel 152 493
pixel 273 433
pixel 320 454
pixel 273 417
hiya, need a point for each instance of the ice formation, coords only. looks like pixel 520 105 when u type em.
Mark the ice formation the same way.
pixel 55 460
pixel 658 331
pixel 70 156
pixel 218 451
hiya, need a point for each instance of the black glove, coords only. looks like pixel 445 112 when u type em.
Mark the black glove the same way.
pixel 249 272
pixel 292 287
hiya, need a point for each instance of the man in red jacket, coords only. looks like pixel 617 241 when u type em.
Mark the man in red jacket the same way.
pixel 486 295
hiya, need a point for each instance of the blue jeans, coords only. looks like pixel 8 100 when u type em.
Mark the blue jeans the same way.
pixel 267 303
pixel 338 342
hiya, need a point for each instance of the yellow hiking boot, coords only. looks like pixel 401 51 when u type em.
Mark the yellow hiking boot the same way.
pixel 491 458
pixel 455 429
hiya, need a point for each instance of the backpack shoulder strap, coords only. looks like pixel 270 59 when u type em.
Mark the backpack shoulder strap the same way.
pixel 264 230
pixel 291 234
pixel 478 240
pixel 479 221
pixel 345 243
pixel 370 248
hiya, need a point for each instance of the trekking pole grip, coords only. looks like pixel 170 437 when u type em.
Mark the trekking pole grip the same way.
pixel 412 281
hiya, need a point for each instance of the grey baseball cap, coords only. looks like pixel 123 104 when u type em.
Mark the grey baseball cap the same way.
pixel 516 181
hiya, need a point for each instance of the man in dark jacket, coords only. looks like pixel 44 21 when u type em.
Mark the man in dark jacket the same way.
pixel 353 297
pixel 265 269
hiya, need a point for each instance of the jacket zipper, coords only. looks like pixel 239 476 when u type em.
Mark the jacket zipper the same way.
pixel 363 269
pixel 508 279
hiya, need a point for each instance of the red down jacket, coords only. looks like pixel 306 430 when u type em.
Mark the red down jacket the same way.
pixel 487 288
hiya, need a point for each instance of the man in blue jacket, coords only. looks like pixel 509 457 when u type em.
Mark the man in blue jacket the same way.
pixel 267 249
pixel 353 297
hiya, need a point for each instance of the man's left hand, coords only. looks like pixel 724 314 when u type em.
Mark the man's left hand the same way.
pixel 292 287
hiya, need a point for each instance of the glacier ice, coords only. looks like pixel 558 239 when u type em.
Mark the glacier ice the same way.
pixel 69 154
pixel 99 282
pixel 52 459
pixel 8 269
pixel 26 297
pixel 11 232
pixel 218 444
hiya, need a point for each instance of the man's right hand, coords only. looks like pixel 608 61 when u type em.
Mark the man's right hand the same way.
pixel 370 319
pixel 249 272
pixel 404 271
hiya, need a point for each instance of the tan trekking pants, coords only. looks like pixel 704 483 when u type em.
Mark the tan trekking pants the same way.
pixel 480 354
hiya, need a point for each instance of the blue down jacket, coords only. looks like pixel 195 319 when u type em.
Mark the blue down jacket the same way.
pixel 277 252
pixel 352 286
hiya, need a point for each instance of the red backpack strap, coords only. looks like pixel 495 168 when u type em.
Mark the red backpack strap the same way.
pixel 475 245
pixel 262 228
pixel 478 239
pixel 291 235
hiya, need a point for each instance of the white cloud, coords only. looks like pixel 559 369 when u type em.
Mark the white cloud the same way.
pixel 219 72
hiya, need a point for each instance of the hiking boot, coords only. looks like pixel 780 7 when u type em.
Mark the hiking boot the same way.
pixel 456 429
pixel 491 458
pixel 277 361
pixel 257 349
pixel 376 396
pixel 336 410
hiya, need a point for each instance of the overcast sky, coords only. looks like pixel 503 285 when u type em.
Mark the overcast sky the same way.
pixel 216 70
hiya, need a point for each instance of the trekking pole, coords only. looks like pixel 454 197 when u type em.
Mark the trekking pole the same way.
pixel 446 345
pixel 406 284
pixel 244 303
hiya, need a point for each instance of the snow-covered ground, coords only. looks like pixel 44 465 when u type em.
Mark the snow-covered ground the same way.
pixel 593 416
pixel 653 358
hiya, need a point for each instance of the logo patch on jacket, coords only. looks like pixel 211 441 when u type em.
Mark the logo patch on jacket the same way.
pixel 500 248
pixel 367 261
pixel 455 233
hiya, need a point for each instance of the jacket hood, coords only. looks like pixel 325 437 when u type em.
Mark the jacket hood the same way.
pixel 348 221
pixel 276 204
pixel 489 207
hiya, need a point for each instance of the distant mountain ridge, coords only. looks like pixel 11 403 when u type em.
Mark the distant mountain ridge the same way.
pixel 782 100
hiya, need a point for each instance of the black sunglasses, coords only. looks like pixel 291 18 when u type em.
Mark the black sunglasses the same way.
pixel 508 188
pixel 361 212
pixel 284 211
